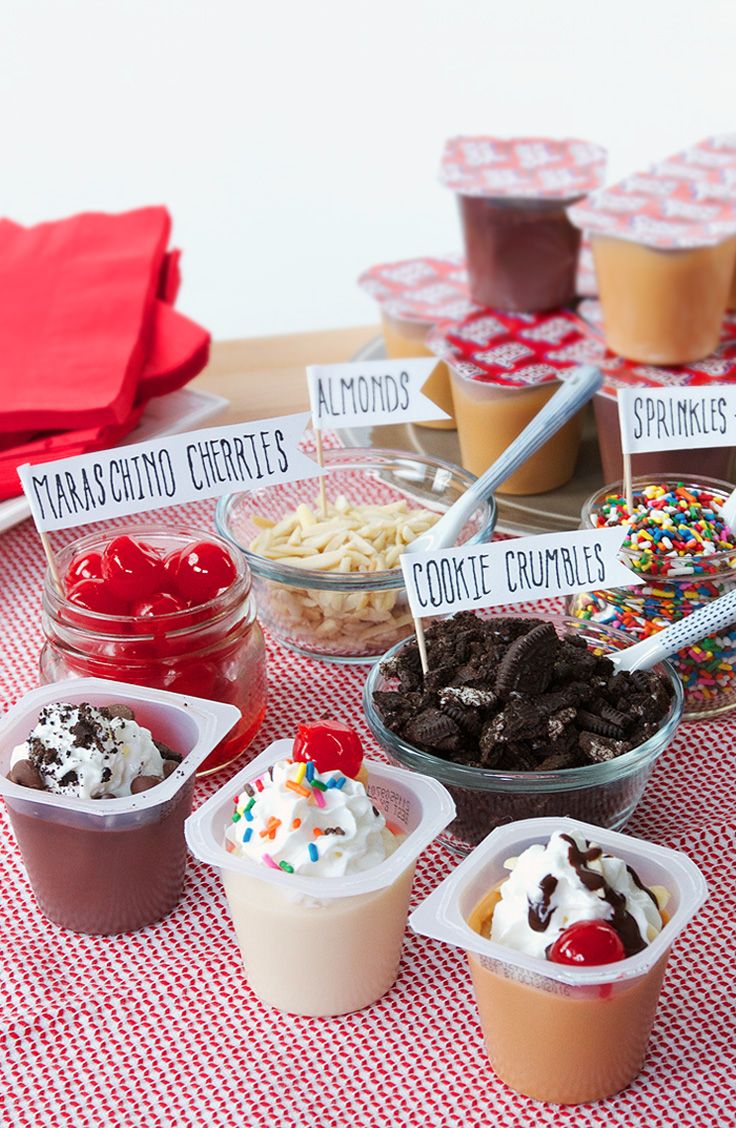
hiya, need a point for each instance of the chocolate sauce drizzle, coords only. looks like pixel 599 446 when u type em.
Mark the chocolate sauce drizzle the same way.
pixel 541 911
pixel 622 921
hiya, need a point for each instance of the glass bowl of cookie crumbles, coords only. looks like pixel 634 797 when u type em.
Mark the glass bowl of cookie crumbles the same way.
pixel 328 582
pixel 523 717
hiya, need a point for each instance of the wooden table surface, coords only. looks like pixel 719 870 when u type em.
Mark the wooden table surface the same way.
pixel 264 376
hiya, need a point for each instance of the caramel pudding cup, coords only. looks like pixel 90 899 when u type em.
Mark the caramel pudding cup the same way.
pixel 662 306
pixel 711 462
pixel 403 337
pixel 103 866
pixel 323 946
pixel 489 417
pixel 522 254
pixel 555 1032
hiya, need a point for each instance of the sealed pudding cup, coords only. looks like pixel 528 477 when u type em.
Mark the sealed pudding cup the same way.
pixel 520 246
pixel 660 305
pixel 322 945
pixel 564 1033
pixel 664 244
pixel 103 866
pixel 414 295
pixel 503 369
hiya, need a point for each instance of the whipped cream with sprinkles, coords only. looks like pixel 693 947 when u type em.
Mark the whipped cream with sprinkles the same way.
pixel 300 820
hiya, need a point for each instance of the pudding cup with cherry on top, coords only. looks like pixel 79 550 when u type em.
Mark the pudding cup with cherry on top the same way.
pixel 169 608
pixel 317 867
pixel 568 929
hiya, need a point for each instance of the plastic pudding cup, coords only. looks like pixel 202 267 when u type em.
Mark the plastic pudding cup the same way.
pixel 103 866
pixel 489 417
pixel 605 794
pixel 662 306
pixel 715 462
pixel 521 254
pixel 322 946
pixel 406 338
pixel 556 1032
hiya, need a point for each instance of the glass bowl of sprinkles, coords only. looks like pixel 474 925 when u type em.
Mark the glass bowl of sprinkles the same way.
pixel 678 543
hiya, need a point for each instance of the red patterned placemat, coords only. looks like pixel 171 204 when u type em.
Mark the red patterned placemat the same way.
pixel 159 1028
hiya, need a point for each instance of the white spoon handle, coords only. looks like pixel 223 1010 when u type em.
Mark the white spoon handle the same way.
pixel 708 620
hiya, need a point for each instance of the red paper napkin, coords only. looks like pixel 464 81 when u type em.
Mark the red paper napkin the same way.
pixel 77 299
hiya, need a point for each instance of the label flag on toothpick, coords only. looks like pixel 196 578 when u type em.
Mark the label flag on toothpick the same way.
pixel 471 576
pixel 372 392
pixel 171 470
pixel 676 418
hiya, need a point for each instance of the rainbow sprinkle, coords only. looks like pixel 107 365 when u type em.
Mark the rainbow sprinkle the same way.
pixel 313 852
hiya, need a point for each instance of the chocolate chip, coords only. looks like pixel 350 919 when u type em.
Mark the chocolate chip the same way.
pixel 26 775
pixel 143 783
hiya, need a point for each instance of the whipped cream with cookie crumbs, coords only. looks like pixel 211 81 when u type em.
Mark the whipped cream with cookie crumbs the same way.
pixel 566 880
pixel 300 820
pixel 89 753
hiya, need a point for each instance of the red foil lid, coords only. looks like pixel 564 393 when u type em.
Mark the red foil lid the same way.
pixel 718 368
pixel 522 167
pixel 586 283
pixel 516 350
pixel 688 200
pixel 427 289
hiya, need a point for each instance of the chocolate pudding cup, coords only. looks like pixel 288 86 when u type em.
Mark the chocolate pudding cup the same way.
pixel 711 462
pixel 521 254
pixel 555 1032
pixel 104 866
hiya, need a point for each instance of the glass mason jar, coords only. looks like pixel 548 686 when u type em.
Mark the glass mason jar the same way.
pixel 707 669
pixel 215 650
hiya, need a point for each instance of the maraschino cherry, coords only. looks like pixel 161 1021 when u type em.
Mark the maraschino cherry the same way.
pixel 330 745
pixel 131 568
pixel 160 603
pixel 200 570
pixel 94 595
pixel 587 943
pixel 88 566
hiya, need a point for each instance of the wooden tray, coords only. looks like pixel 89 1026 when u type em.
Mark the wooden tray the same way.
pixel 520 516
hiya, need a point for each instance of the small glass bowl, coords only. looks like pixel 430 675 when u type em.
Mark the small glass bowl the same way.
pixel 605 794
pixel 348 617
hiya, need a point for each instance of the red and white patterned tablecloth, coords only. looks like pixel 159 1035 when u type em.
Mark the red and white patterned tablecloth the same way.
pixel 159 1029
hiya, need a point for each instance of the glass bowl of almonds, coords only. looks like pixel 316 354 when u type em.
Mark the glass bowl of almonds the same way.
pixel 328 582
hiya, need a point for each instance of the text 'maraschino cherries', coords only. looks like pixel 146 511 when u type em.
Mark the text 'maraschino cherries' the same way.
pixel 587 943
pixel 330 745
pixel 132 578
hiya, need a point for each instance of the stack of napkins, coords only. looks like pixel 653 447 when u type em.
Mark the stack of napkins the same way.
pixel 88 333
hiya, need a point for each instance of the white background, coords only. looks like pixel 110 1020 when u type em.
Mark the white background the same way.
pixel 297 141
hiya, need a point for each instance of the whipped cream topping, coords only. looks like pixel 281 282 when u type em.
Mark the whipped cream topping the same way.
pixel 86 752
pixel 303 821
pixel 568 880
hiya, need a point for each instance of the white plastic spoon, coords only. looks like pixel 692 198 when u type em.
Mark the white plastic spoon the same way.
pixel 708 620
pixel 577 389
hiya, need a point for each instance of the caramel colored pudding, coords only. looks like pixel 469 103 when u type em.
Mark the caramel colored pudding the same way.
pixel 557 1042
pixel 318 958
pixel 490 416
pixel 662 306
pixel 404 338
pixel 521 254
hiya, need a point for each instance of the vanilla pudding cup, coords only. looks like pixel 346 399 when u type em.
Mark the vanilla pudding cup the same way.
pixel 662 305
pixel 406 338
pixel 556 1032
pixel 489 417
pixel 316 945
